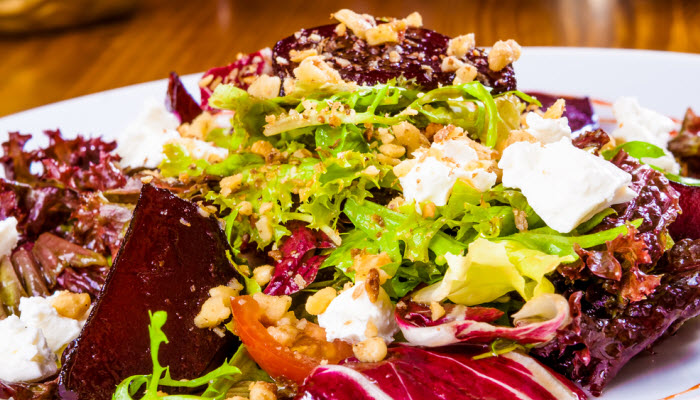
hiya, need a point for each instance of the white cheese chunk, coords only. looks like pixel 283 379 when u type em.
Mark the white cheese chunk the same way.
pixel 8 236
pixel 437 170
pixel 141 143
pixel 547 130
pixel 564 184
pixel 25 356
pixel 347 316
pixel 38 312
pixel 636 123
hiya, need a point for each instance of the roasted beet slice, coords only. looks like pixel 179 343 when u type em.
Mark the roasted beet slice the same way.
pixel 687 224
pixel 421 54
pixel 179 102
pixel 171 257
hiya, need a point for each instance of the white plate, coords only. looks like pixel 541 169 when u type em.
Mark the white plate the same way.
pixel 666 82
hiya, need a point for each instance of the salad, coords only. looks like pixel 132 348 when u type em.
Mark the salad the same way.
pixel 368 210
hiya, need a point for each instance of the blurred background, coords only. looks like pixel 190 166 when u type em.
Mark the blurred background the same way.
pixel 52 50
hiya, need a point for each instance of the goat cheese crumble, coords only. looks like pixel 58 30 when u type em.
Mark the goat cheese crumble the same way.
pixel 437 169
pixel 24 352
pixel 547 130
pixel 636 123
pixel 347 316
pixel 565 185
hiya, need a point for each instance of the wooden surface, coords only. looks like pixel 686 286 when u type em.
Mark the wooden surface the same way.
pixel 192 36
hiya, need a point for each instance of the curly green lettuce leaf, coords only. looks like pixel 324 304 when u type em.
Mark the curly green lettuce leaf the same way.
pixel 218 381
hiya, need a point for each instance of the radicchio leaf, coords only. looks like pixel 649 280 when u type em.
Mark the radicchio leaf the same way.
pixel 448 373
pixel 537 322
pixel 579 111
pixel 687 225
pixel 606 334
pixel 686 145
pixel 179 102
pixel 240 73
pixel 422 52
pixel 299 264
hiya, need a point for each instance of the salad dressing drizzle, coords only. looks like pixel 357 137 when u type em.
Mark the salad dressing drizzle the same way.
pixel 673 396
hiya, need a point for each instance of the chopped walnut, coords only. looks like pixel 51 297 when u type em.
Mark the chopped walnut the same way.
pixel 199 127
pixel 265 87
pixel 403 168
pixel 460 46
pixel 520 220
pixel 451 64
pixel 71 305
pixel 217 308
pixel 263 274
pixel 410 136
pixel 394 57
pixel 364 263
pixel 230 184
pixel 448 132
pixel 556 110
pixel 432 129
pixel 384 159
pixel 317 303
pixel 429 210
pixel 384 136
pixel 264 149
pixel 370 350
pixel 358 23
pixel 385 33
pixel 264 227
pixel 289 85
pixel 273 307
pixel 516 135
pixel 299 56
pixel 340 29
pixel 284 334
pixel 372 284
pixel 245 208
pixel 315 71
pixel 414 20
pixel 503 53
pixel 392 150
pixel 263 391
pixel 466 73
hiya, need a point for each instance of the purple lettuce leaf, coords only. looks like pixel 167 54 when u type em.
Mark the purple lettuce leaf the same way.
pixel 445 373
pixel 606 333
pixel 29 391
pixel 299 263
pixel 686 145
pixel 80 163
pixel 179 102
pixel 657 205
pixel 537 322
pixel 240 73
pixel 592 140
pixel 579 111
pixel 687 224
pixel 359 62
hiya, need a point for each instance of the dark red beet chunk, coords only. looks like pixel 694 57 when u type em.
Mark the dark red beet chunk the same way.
pixel 422 52
pixel 179 102
pixel 687 224
pixel 170 258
